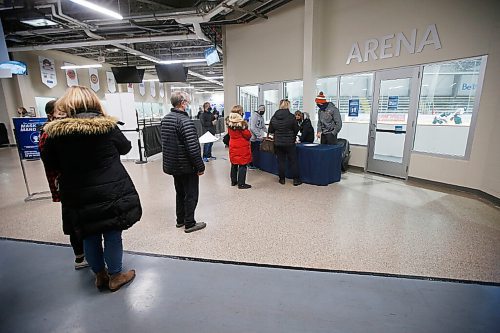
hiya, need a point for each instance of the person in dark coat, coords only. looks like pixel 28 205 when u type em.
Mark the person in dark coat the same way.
pixel 97 195
pixel 207 125
pixel 284 127
pixel 240 154
pixel 305 127
pixel 53 178
pixel 182 160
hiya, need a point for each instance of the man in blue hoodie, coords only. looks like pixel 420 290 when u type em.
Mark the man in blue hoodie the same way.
pixel 329 120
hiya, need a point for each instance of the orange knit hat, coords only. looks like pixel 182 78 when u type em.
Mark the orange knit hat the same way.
pixel 320 99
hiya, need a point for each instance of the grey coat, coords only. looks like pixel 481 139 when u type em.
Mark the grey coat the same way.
pixel 329 121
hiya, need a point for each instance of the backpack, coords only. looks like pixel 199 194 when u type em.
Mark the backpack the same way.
pixel 346 153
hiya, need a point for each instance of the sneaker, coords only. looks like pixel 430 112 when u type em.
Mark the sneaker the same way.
pixel 81 264
pixel 297 182
pixel 244 186
pixel 234 183
pixel 179 225
pixel 251 167
pixel 197 226
pixel 205 159
pixel 212 158
pixel 282 181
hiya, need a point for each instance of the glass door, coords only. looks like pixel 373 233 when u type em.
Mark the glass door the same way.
pixel 392 122
pixel 270 95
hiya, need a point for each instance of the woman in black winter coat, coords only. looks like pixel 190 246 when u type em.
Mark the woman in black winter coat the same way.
pixel 97 195
pixel 305 127
pixel 284 127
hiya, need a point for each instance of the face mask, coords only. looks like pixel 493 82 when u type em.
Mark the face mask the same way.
pixel 209 109
pixel 262 112
pixel 322 106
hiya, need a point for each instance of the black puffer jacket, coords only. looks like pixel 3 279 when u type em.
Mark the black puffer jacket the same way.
pixel 306 131
pixel 206 119
pixel 181 149
pixel 97 194
pixel 284 126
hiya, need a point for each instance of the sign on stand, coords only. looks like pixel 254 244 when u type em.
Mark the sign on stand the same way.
pixel 27 131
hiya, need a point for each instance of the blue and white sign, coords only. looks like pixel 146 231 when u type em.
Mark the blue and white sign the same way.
pixel 392 103
pixel 398 128
pixel 353 107
pixel 28 135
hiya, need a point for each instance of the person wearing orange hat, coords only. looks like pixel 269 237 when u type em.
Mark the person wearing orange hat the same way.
pixel 329 120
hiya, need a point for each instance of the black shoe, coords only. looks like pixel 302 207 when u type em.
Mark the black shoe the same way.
pixel 297 182
pixel 244 186
pixel 179 225
pixel 234 183
pixel 282 181
pixel 197 226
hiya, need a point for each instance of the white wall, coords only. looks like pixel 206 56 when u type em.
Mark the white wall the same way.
pixel 264 50
pixel 465 29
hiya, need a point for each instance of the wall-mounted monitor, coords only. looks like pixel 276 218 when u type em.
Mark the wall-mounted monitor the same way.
pixel 15 67
pixel 211 56
pixel 171 73
pixel 128 74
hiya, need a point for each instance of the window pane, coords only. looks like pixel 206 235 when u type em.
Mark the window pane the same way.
pixel 359 90
pixel 249 98
pixel 447 97
pixel 294 91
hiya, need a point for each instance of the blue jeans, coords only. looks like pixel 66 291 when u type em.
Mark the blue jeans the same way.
pixel 207 150
pixel 112 254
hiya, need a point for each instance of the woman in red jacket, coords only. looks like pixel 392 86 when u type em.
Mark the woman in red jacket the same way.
pixel 240 154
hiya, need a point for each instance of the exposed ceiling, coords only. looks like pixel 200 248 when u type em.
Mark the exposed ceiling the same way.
pixel 155 29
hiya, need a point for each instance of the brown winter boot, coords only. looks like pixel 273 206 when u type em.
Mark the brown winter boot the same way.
pixel 119 279
pixel 101 279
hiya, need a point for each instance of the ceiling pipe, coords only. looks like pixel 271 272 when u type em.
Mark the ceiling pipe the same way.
pixel 59 14
pixel 103 42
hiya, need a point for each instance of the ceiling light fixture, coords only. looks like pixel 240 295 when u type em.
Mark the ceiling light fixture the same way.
pixel 185 87
pixel 81 66
pixel 98 8
pixel 151 80
pixel 180 61
pixel 39 22
pixel 215 77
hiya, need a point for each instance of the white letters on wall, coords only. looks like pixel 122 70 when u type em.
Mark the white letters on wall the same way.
pixel 384 45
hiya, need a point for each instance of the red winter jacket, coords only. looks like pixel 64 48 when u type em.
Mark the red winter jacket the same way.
pixel 239 143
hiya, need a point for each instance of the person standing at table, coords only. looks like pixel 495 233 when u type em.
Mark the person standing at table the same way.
pixel 208 125
pixel 284 126
pixel 258 129
pixel 329 120
pixel 239 147
pixel 305 127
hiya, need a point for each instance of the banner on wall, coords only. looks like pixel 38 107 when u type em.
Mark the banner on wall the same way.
pixel 162 90
pixel 94 79
pixel 130 87
pixel 353 107
pixel 48 71
pixel 27 132
pixel 110 78
pixel 152 84
pixel 71 75
pixel 142 89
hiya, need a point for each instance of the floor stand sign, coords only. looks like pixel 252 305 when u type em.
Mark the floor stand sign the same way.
pixel 27 131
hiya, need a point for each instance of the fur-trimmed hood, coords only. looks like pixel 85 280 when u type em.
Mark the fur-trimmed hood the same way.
pixel 85 126
pixel 236 122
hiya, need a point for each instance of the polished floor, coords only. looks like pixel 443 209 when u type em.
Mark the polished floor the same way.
pixel 365 223
pixel 40 292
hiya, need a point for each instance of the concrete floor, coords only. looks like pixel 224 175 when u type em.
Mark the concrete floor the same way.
pixel 40 292
pixel 365 223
